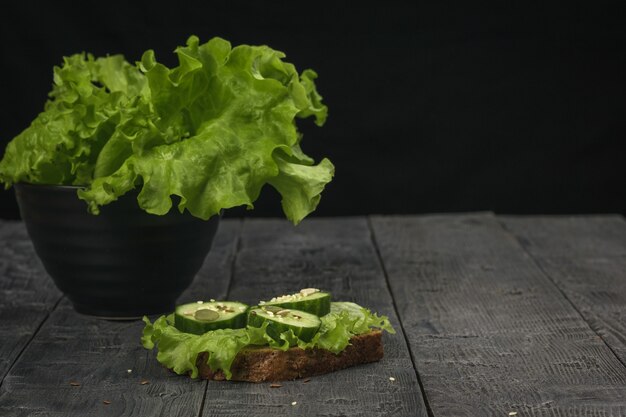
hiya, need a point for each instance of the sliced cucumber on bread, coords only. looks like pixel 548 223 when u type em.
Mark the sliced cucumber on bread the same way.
pixel 304 325
pixel 310 300
pixel 201 317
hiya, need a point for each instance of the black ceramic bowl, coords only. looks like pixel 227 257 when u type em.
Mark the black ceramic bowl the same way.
pixel 122 263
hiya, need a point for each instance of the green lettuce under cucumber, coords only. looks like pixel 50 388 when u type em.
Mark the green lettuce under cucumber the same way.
pixel 179 351
pixel 213 131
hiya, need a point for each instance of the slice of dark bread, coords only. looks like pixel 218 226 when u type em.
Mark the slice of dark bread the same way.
pixel 258 364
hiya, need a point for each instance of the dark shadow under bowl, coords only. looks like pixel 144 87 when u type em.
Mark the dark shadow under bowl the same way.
pixel 122 263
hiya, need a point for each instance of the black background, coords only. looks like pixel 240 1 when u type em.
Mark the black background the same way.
pixel 433 108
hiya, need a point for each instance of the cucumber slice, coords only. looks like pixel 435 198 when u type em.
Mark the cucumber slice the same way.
pixel 310 300
pixel 201 317
pixel 303 324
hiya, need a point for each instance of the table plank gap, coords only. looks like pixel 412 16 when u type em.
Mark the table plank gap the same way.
pixel 27 294
pixel 233 265
pixel 490 333
pixel 237 246
pixel 395 308
pixel 585 258
pixel 77 362
pixel 574 305
pixel 30 339
pixel 206 389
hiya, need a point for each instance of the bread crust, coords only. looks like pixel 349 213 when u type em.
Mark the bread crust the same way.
pixel 259 364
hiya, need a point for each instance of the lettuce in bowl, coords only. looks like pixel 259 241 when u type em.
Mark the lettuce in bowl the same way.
pixel 213 131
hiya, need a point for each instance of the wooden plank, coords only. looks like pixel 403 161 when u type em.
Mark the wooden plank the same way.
pixel 27 294
pixel 489 332
pixel 334 254
pixel 97 354
pixel 586 259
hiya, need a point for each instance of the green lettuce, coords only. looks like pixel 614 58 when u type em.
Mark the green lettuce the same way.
pixel 179 351
pixel 213 131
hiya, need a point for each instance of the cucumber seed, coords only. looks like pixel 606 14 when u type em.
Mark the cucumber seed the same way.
pixel 206 314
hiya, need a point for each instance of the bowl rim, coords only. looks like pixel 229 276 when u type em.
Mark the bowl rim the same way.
pixel 59 186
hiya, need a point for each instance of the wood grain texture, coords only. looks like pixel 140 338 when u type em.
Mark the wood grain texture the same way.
pixel 96 354
pixel 489 332
pixel 27 294
pixel 586 259
pixel 337 255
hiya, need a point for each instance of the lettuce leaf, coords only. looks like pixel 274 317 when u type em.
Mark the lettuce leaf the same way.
pixel 213 131
pixel 179 351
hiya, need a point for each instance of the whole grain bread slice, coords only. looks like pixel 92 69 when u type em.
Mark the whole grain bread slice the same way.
pixel 258 364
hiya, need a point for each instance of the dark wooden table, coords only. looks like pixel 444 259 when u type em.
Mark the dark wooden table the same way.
pixel 495 316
